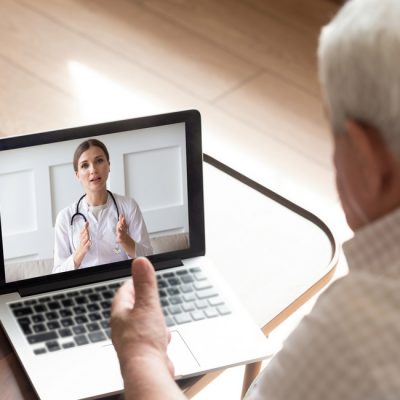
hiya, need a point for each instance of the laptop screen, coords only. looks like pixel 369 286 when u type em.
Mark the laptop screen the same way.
pixel 81 201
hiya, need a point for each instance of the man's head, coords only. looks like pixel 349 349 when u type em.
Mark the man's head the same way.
pixel 359 67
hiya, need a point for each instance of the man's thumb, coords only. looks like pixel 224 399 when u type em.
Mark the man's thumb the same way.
pixel 145 282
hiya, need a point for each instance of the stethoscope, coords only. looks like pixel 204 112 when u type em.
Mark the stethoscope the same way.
pixel 116 249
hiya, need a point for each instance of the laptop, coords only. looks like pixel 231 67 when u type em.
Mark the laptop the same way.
pixel 58 322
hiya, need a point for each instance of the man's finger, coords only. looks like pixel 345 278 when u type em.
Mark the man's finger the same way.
pixel 124 299
pixel 144 278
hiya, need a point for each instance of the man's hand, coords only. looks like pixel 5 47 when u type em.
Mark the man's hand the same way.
pixel 140 336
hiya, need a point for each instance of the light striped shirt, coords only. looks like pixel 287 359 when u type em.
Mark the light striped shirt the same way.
pixel 348 347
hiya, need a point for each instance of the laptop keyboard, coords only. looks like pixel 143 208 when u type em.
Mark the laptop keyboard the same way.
pixel 80 317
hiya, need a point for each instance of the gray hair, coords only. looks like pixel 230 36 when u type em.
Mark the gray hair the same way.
pixel 359 67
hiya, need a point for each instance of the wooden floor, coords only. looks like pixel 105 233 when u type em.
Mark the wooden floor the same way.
pixel 249 66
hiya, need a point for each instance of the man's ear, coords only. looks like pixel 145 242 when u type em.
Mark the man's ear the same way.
pixel 371 156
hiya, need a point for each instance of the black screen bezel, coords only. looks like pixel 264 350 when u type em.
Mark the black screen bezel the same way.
pixel 192 120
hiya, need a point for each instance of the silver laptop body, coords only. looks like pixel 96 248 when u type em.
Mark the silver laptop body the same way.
pixel 158 161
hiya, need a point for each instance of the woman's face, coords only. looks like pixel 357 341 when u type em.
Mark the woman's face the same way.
pixel 93 169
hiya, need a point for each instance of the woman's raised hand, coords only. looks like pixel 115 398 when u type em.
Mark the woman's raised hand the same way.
pixel 84 245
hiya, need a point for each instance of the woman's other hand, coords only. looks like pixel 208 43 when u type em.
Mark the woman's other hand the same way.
pixel 84 245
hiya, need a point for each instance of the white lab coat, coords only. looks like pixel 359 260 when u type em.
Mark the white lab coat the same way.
pixel 102 234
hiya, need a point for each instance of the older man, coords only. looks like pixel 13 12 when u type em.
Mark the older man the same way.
pixel 348 346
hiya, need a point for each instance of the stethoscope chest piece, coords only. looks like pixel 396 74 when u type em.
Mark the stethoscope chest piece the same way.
pixel 117 249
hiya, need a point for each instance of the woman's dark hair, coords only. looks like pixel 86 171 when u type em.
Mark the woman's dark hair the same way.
pixel 85 146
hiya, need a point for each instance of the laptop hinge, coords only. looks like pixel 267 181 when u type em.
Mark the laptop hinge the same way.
pixel 71 282
pixel 65 284
pixel 167 264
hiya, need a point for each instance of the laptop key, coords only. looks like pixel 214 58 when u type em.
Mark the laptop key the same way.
pixel 38 328
pixel 188 307
pixel 54 305
pixel 37 318
pixel 175 300
pixel 79 310
pixel 52 315
pixel 200 304
pixel 164 302
pixel 78 330
pixel 97 336
pixel 174 281
pixel 39 351
pixel 201 285
pixel 93 307
pixel 172 291
pixel 215 301
pixel 105 324
pixel 92 327
pixel 81 319
pixel 68 345
pixel 187 279
pixel 25 328
pixel 189 297
pixel 53 325
pixel 65 332
pixel 65 313
pixel 81 300
pixel 162 284
pixel 106 304
pixel 40 308
pixel 30 302
pixel 42 337
pixel 182 272
pixel 94 297
pixel 45 299
pixel 187 288
pixel 108 294
pixel 68 302
pixel 23 311
pixel 67 322
pixel 206 293
pixel 53 346
pixel 183 318
pixel 223 310
pixel 81 340
pixel 211 313
pixel 175 310
pixel 94 317
pixel 200 276
pixel 115 285
pixel 169 321
pixel 198 315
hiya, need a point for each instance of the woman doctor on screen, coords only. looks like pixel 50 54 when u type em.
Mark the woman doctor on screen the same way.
pixel 100 227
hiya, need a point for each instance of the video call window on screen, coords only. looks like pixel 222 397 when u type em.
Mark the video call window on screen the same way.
pixel 147 177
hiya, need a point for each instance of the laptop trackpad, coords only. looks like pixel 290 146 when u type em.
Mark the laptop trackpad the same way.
pixel 181 356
